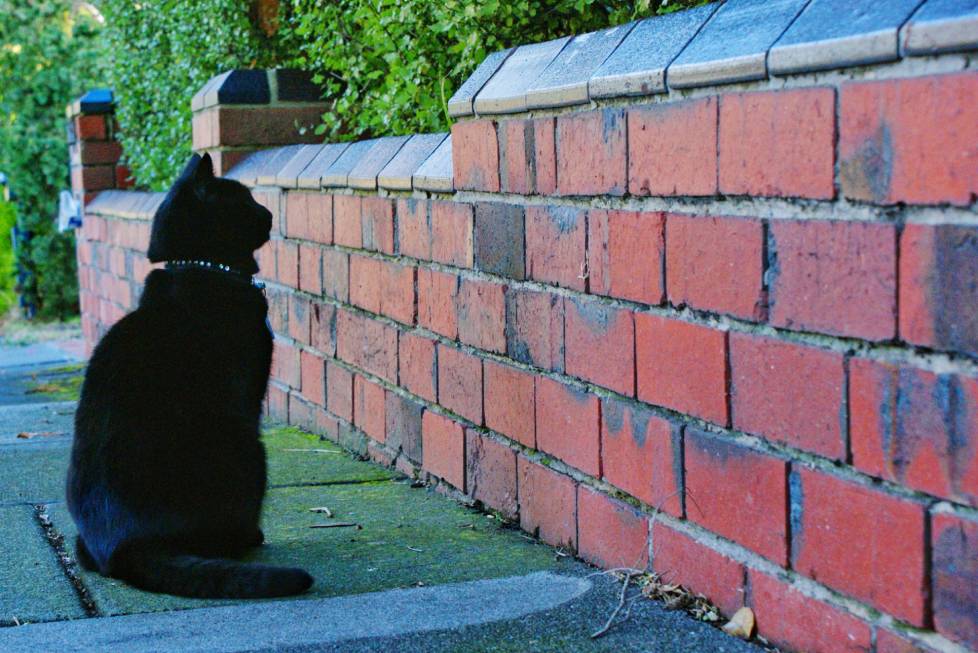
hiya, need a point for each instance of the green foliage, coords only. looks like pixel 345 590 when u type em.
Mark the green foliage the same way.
pixel 47 58
pixel 7 296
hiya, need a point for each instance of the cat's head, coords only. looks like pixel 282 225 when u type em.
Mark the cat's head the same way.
pixel 204 217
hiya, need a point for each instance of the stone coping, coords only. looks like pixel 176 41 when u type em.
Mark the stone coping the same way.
pixel 132 204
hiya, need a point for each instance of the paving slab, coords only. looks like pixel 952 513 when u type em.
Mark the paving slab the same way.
pixel 505 92
pixel 40 383
pixel 40 353
pixel 565 81
pixel 398 173
pixel 839 33
pixel 33 471
pixel 312 175
pixel 33 586
pixel 288 174
pixel 460 104
pixel 47 418
pixel 638 65
pixel 941 26
pixel 364 173
pixel 437 172
pixel 339 171
pixel 299 458
pixel 268 171
pixel 733 45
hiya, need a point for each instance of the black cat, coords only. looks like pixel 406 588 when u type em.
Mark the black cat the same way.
pixel 167 470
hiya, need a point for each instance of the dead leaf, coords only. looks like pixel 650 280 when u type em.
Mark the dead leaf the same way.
pixel 741 624
pixel 27 435
pixel 323 510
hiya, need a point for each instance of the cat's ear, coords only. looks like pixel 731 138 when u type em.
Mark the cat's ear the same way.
pixel 205 169
pixel 190 169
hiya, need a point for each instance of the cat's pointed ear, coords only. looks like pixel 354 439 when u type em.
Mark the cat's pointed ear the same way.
pixel 205 169
pixel 190 169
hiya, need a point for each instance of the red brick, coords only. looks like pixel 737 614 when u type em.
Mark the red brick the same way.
pixel 833 277
pixel 490 473
pixel 509 402
pixel 278 403
pixel 319 227
pixel 336 274
pixel 397 292
pixel 568 425
pixel 123 178
pixel 367 344
pixel 498 235
pixel 891 642
pixel 555 245
pixel 475 155
pixel 789 619
pixel 339 391
pixel 591 150
pixel 909 140
pixel 535 328
pixel 738 493
pixel 451 233
pixel 272 200
pixel 265 257
pixel 548 504
pixel 611 533
pixel 642 454
pixel 955 578
pixel 404 425
pixel 310 269
pixel 414 228
pixel 299 318
pixel 267 125
pixel 296 214
pixel 678 558
pixel 600 344
pixel 939 287
pixel 545 155
pixel 460 383
pixel 90 128
pixel 516 150
pixel 672 148
pixel 418 372
pixel 716 264
pixel 312 378
pixel 287 255
pixel 626 255
pixel 369 408
pixel 887 569
pixel 682 366
pixel 322 326
pixel 436 302
pixel 377 224
pixel 347 229
pixel 443 448
pixel 95 152
pixel 915 427
pixel 285 364
pixel 92 178
pixel 788 392
pixel 778 143
pixel 365 282
pixel 482 314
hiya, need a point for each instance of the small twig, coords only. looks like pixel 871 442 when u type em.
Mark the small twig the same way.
pixel 323 510
pixel 338 524
pixel 313 450
pixel 415 550
pixel 621 603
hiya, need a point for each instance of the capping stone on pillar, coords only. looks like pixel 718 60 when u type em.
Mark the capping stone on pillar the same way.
pixel 240 111
pixel 92 145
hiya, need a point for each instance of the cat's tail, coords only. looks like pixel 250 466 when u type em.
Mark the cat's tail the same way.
pixel 207 578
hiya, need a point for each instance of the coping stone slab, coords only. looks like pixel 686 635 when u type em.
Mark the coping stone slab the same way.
pixel 246 170
pixel 564 81
pixel 436 173
pixel 249 86
pixel 339 170
pixel 838 33
pixel 506 91
pixel 311 176
pixel 460 104
pixel 364 173
pixel 638 65
pixel 398 173
pixel 288 175
pixel 941 26
pixel 270 168
pixel 733 45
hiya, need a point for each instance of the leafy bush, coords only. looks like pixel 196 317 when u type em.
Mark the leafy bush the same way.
pixel 47 58
pixel 7 296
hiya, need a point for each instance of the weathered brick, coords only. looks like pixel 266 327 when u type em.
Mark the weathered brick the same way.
pixel 382 287
pixel 498 239
pixel 888 641
pixel 475 155
pixel 404 425
pixel 516 154
pixel 451 233
pixel 285 363
pixel 95 152
pixel 907 140
pixel 535 328
pixel 414 228
pixel 339 391
pixel 301 412
pixel 443 448
pixel 272 200
pixel 482 314
pixel 418 372
pixel 789 619
pixel 268 125
pixel 90 128
pixel 682 366
pixel 915 427
pixel 278 403
pixel 626 255
pixel 437 292
pixel 369 408
pixel 548 504
pixel 310 269
pixel 490 473
pixel 367 344
pixel 834 277
pixel 600 344
pixel 336 274
pixel 288 263
pixel 265 257
pixel 313 375
pixel 568 425
pixel 955 578
pixel 738 493
pixel 716 264
pixel 555 245
pixel 296 214
pixel 460 383
pixel 672 148
pixel 545 155
pixel 591 151
pixel 771 398
pixel 323 327
pixel 377 224
pixel 365 282
pixel 319 225
pixel 642 454
pixel 347 229
pixel 778 143
pixel 611 533
pixel 887 569
pixel 509 402
pixel 939 287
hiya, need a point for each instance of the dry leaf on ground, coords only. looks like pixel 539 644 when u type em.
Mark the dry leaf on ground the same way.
pixel 741 624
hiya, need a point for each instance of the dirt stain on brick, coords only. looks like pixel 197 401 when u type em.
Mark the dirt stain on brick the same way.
pixel 796 502
pixel 597 316
pixel 869 172
pixel 953 289
pixel 564 218
pixel 955 583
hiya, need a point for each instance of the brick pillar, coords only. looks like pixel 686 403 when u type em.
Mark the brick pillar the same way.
pixel 241 111
pixel 93 147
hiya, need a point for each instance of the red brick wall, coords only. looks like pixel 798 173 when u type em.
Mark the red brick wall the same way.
pixel 755 311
